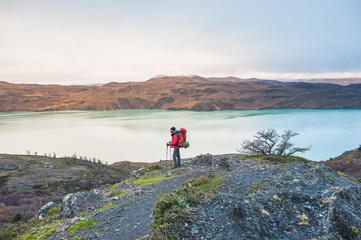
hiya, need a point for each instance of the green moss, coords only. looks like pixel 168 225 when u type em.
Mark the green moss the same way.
pixel 118 194
pixel 277 159
pixel 83 214
pixel 355 230
pixel 329 178
pixel 101 229
pixel 83 225
pixel 150 170
pixel 154 179
pixel 106 207
pixel 40 232
pixel 340 174
pixel 283 169
pixel 112 188
pixel 176 170
pixel 54 212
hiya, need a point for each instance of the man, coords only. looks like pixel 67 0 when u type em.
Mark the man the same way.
pixel 174 144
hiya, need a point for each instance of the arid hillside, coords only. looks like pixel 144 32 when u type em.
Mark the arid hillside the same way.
pixel 349 162
pixel 180 93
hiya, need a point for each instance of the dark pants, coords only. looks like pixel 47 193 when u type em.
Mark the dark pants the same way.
pixel 176 155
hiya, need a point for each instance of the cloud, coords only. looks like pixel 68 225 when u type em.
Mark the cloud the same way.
pixel 93 41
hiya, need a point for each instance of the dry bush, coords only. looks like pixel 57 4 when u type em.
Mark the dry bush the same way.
pixel 269 142
pixel 26 204
pixel 7 213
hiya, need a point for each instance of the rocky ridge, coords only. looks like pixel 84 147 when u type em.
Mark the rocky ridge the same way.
pixel 259 199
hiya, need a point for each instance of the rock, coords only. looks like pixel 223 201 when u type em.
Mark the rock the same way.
pixel 21 168
pixel 224 164
pixel 206 159
pixel 9 168
pixel 135 173
pixel 75 203
pixel 43 211
pixel 138 192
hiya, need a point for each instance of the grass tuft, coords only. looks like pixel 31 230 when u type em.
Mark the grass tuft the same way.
pixel 82 225
pixel 329 178
pixel 278 159
pixel 107 207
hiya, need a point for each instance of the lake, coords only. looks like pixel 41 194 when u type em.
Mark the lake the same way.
pixel 141 135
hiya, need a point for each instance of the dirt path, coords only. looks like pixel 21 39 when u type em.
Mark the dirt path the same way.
pixel 132 218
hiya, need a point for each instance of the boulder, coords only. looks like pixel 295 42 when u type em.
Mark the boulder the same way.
pixel 21 168
pixel 43 211
pixel 206 159
pixel 10 168
pixel 75 203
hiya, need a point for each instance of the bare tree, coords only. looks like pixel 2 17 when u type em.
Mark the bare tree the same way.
pixel 269 142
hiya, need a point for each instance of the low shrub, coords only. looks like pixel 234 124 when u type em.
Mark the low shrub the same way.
pixel 170 211
pixel 54 213
pixel 153 179
pixel 169 216
pixel 196 189
pixel 118 194
pixel 16 218
pixel 355 230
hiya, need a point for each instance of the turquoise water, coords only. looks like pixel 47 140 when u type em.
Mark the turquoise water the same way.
pixel 141 135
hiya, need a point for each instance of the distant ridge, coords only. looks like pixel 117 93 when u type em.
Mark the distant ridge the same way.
pixel 182 93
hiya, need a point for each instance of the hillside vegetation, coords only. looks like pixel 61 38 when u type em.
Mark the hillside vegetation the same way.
pixel 349 162
pixel 28 182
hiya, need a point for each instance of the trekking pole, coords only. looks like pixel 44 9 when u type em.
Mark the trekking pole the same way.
pixel 166 155
pixel 170 156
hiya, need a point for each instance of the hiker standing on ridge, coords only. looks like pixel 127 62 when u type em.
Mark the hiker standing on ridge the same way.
pixel 174 144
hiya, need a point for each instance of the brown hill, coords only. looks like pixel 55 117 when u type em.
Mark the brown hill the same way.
pixel 340 81
pixel 349 162
pixel 181 92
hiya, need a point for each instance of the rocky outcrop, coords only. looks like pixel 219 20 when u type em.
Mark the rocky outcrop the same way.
pixel 291 201
pixel 43 211
pixel 76 203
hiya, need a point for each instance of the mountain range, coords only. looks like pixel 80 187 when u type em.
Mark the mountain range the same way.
pixel 184 93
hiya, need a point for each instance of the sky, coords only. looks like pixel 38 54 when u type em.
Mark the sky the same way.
pixel 99 41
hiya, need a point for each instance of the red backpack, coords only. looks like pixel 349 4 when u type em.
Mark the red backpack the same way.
pixel 182 138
